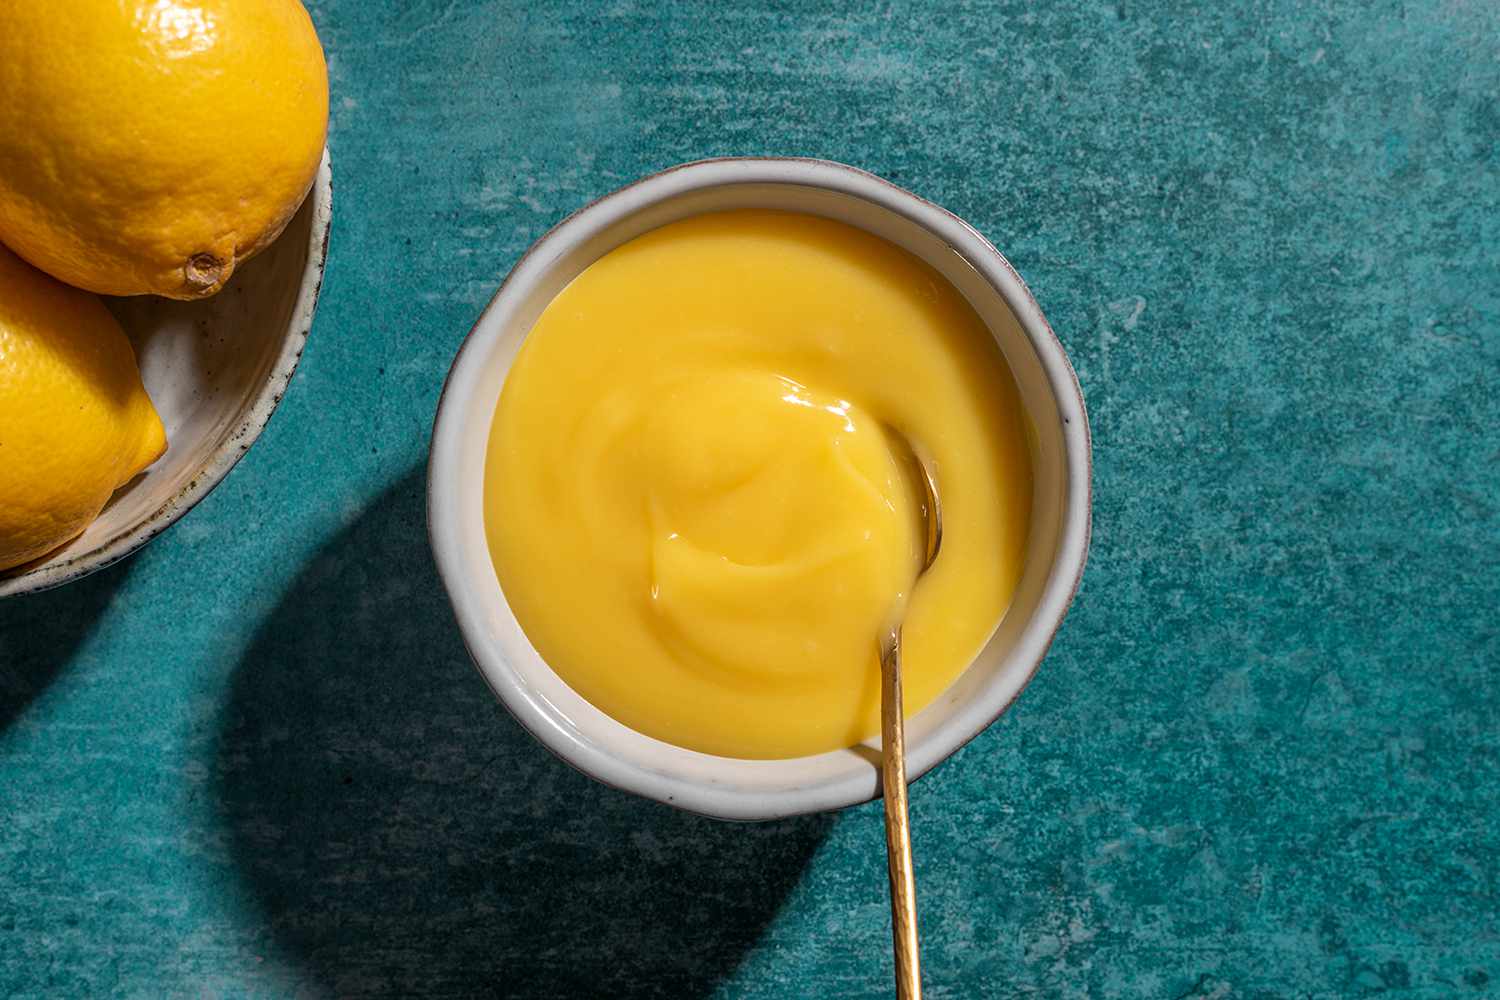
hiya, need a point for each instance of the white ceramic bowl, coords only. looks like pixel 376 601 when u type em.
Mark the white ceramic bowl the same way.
pixel 717 786
pixel 215 369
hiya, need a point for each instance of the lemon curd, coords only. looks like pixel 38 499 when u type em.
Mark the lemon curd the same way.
pixel 691 497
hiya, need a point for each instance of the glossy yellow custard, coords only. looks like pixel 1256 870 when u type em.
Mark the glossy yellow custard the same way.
pixel 691 497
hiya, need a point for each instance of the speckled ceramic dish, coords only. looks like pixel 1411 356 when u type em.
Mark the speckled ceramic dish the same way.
pixel 216 369
pixel 718 786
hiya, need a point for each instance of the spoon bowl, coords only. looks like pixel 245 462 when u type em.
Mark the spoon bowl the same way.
pixel 918 469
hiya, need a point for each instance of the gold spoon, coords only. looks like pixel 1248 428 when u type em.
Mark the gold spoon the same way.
pixel 893 750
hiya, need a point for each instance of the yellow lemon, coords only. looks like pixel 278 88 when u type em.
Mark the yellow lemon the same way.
pixel 152 145
pixel 75 421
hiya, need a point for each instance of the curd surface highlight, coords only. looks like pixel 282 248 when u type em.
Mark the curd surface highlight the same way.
pixel 691 498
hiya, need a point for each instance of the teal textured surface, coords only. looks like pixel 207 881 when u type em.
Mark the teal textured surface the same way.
pixel 1263 756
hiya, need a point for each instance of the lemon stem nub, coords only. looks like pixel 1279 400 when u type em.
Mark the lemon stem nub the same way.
pixel 204 272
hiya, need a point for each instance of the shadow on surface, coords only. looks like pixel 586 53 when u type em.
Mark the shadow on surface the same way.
pixel 40 632
pixel 404 835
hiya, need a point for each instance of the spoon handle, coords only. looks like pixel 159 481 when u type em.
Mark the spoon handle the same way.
pixel 897 825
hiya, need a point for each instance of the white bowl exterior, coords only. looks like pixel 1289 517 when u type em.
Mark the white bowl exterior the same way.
pixel 215 369
pixel 729 788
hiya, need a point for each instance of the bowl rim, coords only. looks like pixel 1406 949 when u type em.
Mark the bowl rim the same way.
pixel 236 444
pixel 970 719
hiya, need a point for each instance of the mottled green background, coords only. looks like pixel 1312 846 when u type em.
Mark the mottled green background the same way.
pixel 1261 759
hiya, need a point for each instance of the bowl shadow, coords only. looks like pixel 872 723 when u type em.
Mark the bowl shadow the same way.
pixel 39 632
pixel 402 835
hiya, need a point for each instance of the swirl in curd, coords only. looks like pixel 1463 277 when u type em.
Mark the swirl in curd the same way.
pixel 691 496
